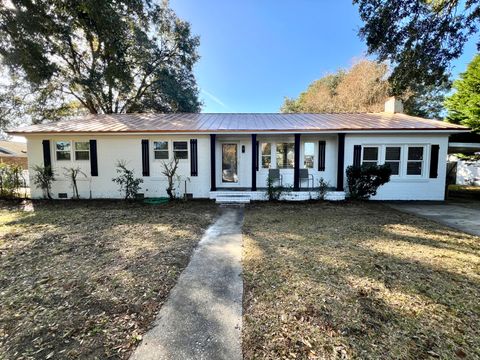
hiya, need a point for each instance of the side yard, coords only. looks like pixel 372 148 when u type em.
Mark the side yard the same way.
pixel 85 279
pixel 341 281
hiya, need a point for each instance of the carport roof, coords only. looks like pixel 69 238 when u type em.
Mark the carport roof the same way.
pixel 239 123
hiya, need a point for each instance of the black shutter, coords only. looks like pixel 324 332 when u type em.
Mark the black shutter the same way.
pixel 321 155
pixel 434 161
pixel 257 147
pixel 193 157
pixel 47 159
pixel 357 154
pixel 145 158
pixel 93 158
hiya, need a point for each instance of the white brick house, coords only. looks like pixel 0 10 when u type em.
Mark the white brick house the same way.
pixel 234 153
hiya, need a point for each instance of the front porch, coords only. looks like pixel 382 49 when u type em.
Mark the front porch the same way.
pixel 244 162
pixel 245 196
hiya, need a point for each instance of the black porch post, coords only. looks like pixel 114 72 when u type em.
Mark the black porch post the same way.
pixel 296 169
pixel 341 161
pixel 254 162
pixel 213 185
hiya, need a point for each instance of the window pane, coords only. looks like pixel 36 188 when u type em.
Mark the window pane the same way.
pixel 82 155
pixel 370 153
pixel 266 148
pixel 394 165
pixel 415 153
pixel 266 161
pixel 63 155
pixel 308 155
pixel 161 155
pixel 414 168
pixel 83 145
pixel 180 145
pixel 181 154
pixel 285 155
pixel 160 145
pixel 392 153
pixel 63 145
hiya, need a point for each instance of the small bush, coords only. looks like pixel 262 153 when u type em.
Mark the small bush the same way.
pixel 323 187
pixel 11 179
pixel 43 178
pixel 364 181
pixel 127 180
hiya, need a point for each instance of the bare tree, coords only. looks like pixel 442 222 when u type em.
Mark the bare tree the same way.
pixel 170 171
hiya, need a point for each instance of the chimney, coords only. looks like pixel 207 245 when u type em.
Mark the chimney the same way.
pixel 393 105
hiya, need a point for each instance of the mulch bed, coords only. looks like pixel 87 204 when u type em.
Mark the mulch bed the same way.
pixel 84 279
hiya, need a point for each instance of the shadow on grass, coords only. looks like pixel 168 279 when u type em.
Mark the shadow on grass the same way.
pixel 85 278
pixel 336 281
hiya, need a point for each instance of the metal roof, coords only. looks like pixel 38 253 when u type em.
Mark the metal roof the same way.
pixel 12 148
pixel 241 122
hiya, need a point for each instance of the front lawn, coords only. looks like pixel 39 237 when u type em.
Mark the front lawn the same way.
pixel 342 281
pixel 85 279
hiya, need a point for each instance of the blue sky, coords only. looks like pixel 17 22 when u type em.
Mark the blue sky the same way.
pixel 255 52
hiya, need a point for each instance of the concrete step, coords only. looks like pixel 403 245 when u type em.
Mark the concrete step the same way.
pixel 232 199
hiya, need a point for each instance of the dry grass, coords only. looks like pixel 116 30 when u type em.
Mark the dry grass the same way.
pixel 341 281
pixel 85 279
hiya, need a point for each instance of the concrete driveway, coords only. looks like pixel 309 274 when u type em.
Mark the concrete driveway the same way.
pixel 461 215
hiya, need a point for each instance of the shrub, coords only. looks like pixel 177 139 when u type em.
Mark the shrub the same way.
pixel 323 187
pixel 43 178
pixel 274 192
pixel 11 179
pixel 127 180
pixel 363 181
pixel 73 173
pixel 170 170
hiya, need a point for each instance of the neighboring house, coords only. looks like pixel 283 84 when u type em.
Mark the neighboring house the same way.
pixel 464 171
pixel 224 155
pixel 12 152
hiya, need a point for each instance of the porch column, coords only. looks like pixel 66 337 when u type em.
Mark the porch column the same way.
pixel 296 169
pixel 254 162
pixel 341 161
pixel 213 185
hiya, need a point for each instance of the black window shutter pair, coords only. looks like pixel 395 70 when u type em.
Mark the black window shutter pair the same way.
pixel 47 156
pixel 193 158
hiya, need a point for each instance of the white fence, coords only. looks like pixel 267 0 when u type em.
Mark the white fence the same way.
pixel 468 172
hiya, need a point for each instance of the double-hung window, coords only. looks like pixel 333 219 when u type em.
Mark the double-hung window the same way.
pixel 370 155
pixel 160 150
pixel 266 155
pixel 180 149
pixel 415 160
pixel 393 158
pixel 308 155
pixel 285 155
pixel 82 150
pixel 63 150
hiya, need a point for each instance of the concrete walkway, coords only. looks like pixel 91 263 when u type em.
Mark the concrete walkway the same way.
pixel 202 318
pixel 464 216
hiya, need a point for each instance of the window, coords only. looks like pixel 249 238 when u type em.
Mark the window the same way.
pixel 285 156
pixel 308 155
pixel 266 155
pixel 392 158
pixel 63 150
pixel 180 149
pixel 415 160
pixel 82 150
pixel 370 155
pixel 160 150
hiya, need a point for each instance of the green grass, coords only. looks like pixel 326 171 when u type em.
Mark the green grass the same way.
pixel 357 280
pixel 85 279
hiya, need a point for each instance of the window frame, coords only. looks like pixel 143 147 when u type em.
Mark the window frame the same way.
pixel 263 155
pixel 75 151
pixel 423 162
pixel 161 150
pixel 287 143
pixel 63 151
pixel 400 161
pixel 186 150
pixel 313 156
pixel 379 157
